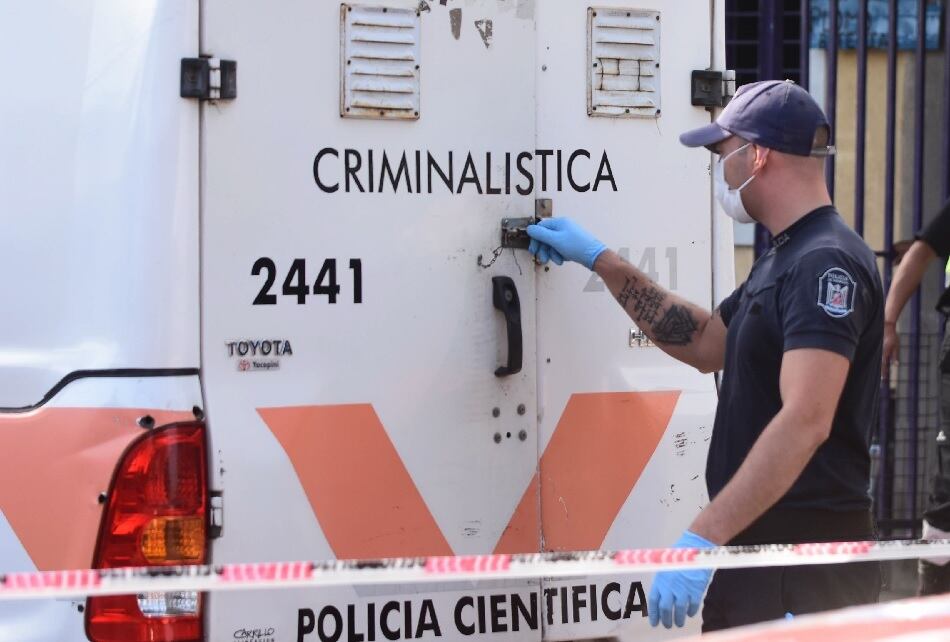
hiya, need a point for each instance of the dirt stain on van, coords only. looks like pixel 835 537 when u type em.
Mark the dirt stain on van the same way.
pixel 473 529
pixel 455 19
pixel 485 30
pixel 525 9
pixel 680 443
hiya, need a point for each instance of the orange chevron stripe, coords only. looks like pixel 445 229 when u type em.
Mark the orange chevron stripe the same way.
pixel 599 449
pixel 360 491
pixel 523 533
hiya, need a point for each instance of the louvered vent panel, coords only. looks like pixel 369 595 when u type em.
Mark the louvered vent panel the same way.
pixel 624 63
pixel 380 62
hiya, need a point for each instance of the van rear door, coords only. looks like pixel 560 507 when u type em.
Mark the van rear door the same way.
pixel 353 351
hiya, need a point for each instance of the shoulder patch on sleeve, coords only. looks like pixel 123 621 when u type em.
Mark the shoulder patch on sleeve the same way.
pixel 836 290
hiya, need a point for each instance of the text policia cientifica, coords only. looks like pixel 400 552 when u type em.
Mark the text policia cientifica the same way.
pixel 422 172
pixel 471 615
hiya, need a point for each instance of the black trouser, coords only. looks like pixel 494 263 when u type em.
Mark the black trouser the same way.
pixel 933 579
pixel 737 597
pixel 938 507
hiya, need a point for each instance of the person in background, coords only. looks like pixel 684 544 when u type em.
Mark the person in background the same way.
pixel 931 243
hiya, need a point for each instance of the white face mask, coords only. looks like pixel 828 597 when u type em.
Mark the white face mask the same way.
pixel 731 199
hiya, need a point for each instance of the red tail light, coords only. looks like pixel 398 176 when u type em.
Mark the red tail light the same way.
pixel 156 515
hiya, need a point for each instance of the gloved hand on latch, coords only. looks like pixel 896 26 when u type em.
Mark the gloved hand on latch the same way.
pixel 676 594
pixel 560 239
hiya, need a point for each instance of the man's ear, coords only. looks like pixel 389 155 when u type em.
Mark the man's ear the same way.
pixel 761 157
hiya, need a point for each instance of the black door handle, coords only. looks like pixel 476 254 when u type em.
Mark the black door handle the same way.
pixel 505 298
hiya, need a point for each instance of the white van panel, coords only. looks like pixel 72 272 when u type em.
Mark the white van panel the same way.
pixel 98 191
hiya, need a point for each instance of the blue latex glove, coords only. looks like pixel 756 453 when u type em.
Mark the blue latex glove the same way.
pixel 676 594
pixel 561 239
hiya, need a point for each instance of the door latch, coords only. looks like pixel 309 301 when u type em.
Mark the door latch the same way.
pixel 514 231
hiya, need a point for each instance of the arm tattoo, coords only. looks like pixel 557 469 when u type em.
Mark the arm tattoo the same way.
pixel 628 290
pixel 646 303
pixel 647 306
pixel 676 327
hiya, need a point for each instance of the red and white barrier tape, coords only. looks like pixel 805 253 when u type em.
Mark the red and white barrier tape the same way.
pixel 274 575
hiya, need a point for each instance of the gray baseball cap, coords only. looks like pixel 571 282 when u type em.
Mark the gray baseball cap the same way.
pixel 776 114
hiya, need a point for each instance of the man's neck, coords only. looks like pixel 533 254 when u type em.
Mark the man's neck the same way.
pixel 785 210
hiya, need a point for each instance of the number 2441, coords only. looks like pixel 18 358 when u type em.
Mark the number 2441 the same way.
pixel 296 284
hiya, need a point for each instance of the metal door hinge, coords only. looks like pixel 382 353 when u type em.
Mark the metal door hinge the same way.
pixel 208 78
pixel 711 89
pixel 216 521
pixel 543 208
pixel 639 339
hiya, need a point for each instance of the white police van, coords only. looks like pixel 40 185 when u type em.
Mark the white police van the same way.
pixel 268 299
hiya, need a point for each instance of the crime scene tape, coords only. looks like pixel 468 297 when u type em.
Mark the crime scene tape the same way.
pixel 464 568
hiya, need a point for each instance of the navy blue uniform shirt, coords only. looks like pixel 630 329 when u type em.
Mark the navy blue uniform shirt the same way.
pixel 818 287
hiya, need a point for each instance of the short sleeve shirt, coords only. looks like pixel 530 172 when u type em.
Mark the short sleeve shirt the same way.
pixel 937 232
pixel 937 236
pixel 818 287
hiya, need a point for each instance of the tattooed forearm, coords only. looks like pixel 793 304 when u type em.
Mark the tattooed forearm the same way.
pixel 679 328
pixel 676 327
pixel 647 306
pixel 628 290
pixel 642 304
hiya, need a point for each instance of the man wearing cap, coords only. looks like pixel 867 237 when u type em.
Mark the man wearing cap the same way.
pixel 799 346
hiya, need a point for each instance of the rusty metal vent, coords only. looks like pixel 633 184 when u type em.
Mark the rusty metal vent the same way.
pixel 379 62
pixel 623 57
